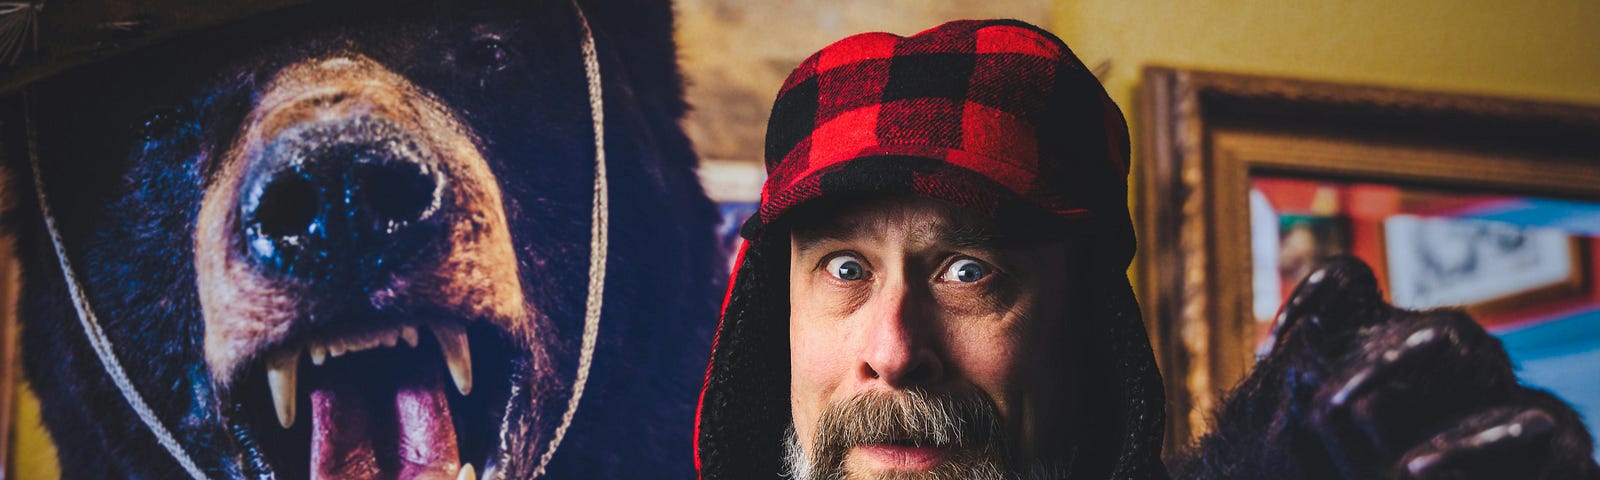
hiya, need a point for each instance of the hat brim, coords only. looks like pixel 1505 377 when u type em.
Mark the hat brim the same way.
pixel 911 174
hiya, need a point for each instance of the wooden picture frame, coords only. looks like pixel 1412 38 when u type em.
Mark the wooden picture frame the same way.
pixel 10 353
pixel 1204 134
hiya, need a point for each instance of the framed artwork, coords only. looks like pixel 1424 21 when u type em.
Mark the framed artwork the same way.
pixel 1327 168
pixel 1480 264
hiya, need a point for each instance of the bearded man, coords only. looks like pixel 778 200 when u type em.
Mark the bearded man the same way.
pixel 934 287
pixel 945 230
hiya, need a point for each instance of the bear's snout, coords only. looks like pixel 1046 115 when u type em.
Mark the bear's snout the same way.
pixel 352 207
pixel 346 199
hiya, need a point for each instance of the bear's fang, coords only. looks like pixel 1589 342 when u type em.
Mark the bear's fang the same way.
pixel 282 367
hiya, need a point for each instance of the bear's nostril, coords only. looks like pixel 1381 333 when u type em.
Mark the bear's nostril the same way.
pixel 393 194
pixel 288 206
pixel 281 219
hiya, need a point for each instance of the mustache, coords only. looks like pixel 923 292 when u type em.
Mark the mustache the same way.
pixel 965 422
pixel 963 419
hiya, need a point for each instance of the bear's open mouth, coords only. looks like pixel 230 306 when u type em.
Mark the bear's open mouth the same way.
pixel 422 399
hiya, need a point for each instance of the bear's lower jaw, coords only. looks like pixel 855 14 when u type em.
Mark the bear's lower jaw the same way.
pixel 400 406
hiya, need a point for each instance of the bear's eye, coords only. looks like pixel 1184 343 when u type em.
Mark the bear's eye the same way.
pixel 158 122
pixel 485 53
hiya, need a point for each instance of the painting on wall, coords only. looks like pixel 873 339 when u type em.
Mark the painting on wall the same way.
pixel 1441 261
pixel 1487 204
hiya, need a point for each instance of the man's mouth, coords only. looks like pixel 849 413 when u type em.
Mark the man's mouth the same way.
pixel 901 455
pixel 394 402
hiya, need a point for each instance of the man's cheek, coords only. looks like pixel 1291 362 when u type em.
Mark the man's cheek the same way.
pixel 816 369
pixel 993 360
pixel 819 360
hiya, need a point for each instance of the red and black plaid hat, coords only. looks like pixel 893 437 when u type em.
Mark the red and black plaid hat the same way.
pixel 982 114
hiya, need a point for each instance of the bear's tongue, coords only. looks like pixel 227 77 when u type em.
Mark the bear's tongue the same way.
pixel 360 432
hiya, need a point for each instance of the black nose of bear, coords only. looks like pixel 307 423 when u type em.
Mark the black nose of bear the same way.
pixel 342 200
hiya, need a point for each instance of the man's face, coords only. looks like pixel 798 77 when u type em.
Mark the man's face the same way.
pixel 922 342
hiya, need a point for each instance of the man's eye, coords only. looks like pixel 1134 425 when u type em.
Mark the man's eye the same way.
pixel 966 270
pixel 845 267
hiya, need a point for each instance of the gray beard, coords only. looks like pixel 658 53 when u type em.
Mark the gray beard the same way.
pixel 799 466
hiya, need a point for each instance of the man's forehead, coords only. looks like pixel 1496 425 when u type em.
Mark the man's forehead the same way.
pixel 918 220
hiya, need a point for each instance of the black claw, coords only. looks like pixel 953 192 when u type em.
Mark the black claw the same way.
pixel 1337 298
pixel 1489 444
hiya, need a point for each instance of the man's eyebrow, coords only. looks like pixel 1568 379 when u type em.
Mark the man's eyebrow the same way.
pixel 958 235
pixel 807 238
pixel 969 235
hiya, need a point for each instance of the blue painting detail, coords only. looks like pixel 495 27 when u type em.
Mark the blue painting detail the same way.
pixel 1560 355
pixel 1577 217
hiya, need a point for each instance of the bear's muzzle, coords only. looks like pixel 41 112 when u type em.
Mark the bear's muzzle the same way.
pixel 353 245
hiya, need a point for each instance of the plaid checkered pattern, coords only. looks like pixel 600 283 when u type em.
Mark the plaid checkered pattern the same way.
pixel 1001 99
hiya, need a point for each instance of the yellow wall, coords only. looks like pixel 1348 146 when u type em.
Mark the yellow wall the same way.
pixel 1539 49
pixel 33 455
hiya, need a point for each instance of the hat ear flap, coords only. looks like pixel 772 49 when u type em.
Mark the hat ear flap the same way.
pixel 744 411
pixel 1139 421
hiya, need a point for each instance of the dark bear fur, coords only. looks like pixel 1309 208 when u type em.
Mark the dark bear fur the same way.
pixel 125 145
pixel 1355 388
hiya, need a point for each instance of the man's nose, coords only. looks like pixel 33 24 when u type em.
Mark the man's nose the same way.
pixel 899 342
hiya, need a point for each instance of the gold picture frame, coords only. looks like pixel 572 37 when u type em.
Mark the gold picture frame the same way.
pixel 1205 134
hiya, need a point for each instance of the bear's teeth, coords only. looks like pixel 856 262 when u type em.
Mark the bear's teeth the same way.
pixel 338 347
pixel 281 370
pixel 319 353
pixel 466 473
pixel 363 343
pixel 409 334
pixel 453 343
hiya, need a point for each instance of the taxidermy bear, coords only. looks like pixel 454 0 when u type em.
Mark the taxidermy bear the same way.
pixel 353 240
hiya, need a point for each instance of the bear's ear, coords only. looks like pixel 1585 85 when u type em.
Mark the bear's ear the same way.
pixel 640 34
